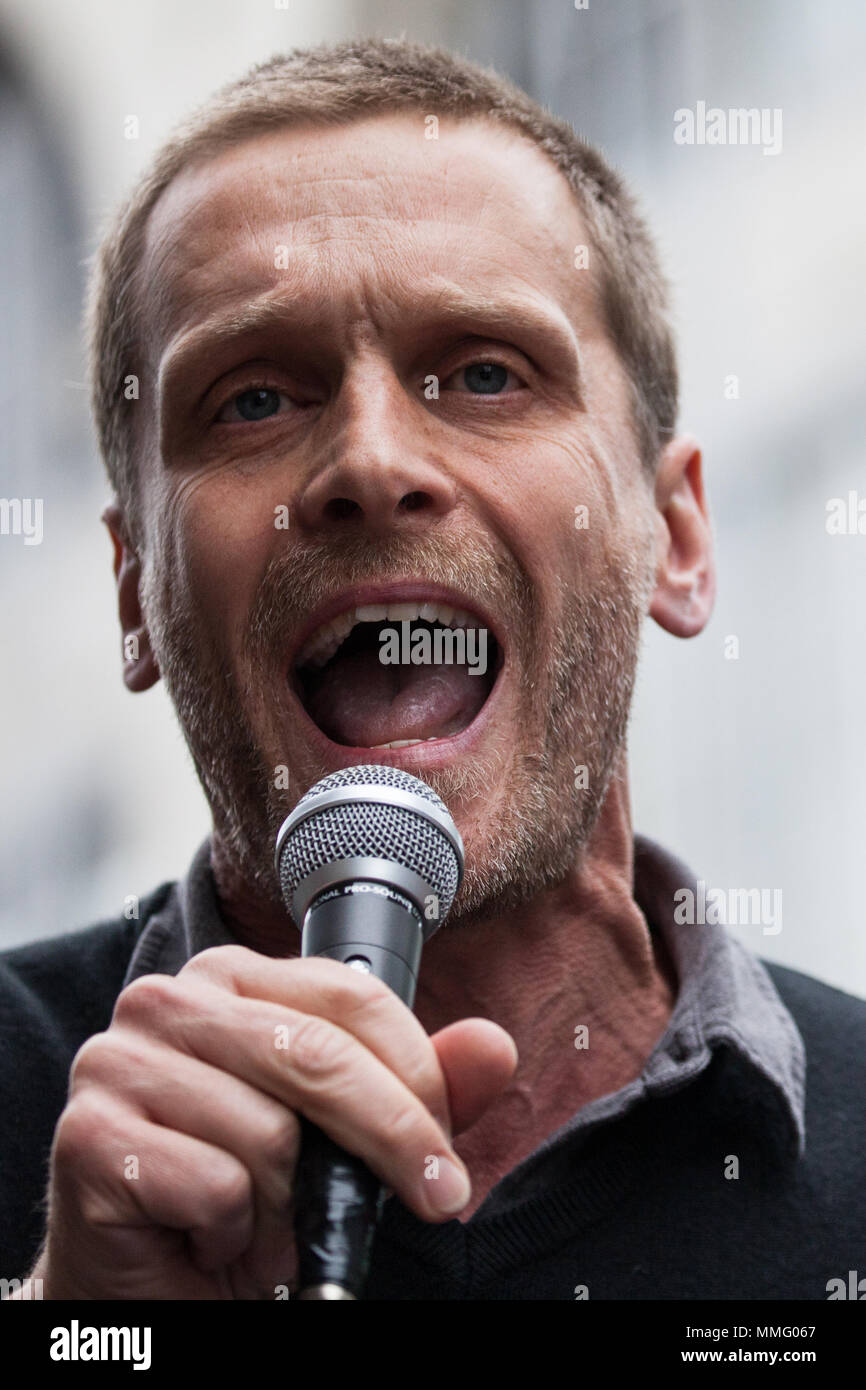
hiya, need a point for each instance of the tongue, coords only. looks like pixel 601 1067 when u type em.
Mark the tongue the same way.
pixel 361 702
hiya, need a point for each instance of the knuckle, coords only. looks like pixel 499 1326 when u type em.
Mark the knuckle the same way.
pixel 95 1207
pixel 88 1064
pixel 280 1140
pixel 355 990
pixel 228 1193
pixel 146 1000
pixel 81 1123
pixel 316 1047
pixel 218 962
pixel 405 1125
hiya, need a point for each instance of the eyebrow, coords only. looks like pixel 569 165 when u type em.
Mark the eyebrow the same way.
pixel 545 325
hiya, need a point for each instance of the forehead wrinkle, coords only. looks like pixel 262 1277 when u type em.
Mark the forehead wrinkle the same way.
pixel 181 255
pixel 279 183
pixel 386 164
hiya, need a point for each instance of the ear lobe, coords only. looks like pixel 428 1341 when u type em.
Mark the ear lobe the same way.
pixel 685 565
pixel 140 669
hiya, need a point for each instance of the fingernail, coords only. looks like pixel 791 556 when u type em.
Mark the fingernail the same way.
pixel 450 1190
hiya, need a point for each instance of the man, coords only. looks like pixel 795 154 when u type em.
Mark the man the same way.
pixel 375 339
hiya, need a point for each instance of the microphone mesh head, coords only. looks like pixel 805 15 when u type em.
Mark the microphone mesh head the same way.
pixel 373 829
pixel 378 775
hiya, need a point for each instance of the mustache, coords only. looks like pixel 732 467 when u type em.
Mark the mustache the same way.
pixel 302 577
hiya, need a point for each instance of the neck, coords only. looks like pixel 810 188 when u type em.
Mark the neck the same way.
pixel 580 955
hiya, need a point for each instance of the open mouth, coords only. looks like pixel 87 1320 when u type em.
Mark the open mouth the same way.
pixel 395 674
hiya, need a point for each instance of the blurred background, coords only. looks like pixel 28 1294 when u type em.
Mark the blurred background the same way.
pixel 751 769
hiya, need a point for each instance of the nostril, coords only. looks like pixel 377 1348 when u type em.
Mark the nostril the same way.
pixel 413 501
pixel 341 507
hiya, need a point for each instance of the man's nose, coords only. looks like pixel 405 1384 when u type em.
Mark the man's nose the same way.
pixel 381 471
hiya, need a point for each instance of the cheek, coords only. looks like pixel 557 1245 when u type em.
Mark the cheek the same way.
pixel 562 503
pixel 578 519
pixel 218 539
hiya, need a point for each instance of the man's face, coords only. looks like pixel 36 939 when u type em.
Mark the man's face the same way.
pixel 426 399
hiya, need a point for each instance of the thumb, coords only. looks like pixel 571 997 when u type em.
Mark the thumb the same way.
pixel 478 1059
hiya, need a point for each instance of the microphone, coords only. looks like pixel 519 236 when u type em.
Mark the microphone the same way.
pixel 369 862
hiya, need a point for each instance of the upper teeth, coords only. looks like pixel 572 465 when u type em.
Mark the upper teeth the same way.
pixel 324 642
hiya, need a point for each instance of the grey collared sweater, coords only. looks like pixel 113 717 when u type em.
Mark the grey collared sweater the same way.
pixel 734 1167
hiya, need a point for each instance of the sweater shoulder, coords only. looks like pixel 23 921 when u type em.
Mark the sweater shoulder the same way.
pixel 832 1024
pixel 64 987
pixel 821 1008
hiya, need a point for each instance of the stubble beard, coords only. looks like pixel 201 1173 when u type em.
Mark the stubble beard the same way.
pixel 576 693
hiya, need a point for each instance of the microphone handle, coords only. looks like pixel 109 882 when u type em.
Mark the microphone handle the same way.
pixel 338 1200
pixel 338 1203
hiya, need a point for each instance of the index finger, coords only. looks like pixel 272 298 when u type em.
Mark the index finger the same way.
pixel 357 1002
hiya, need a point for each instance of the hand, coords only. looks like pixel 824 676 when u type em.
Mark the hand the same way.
pixel 173 1162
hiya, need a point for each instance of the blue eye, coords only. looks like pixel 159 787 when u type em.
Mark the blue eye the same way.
pixel 487 378
pixel 257 403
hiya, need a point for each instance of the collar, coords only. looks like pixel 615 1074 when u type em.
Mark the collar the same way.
pixel 725 996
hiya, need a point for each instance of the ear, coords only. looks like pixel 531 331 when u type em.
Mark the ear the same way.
pixel 140 670
pixel 685 563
